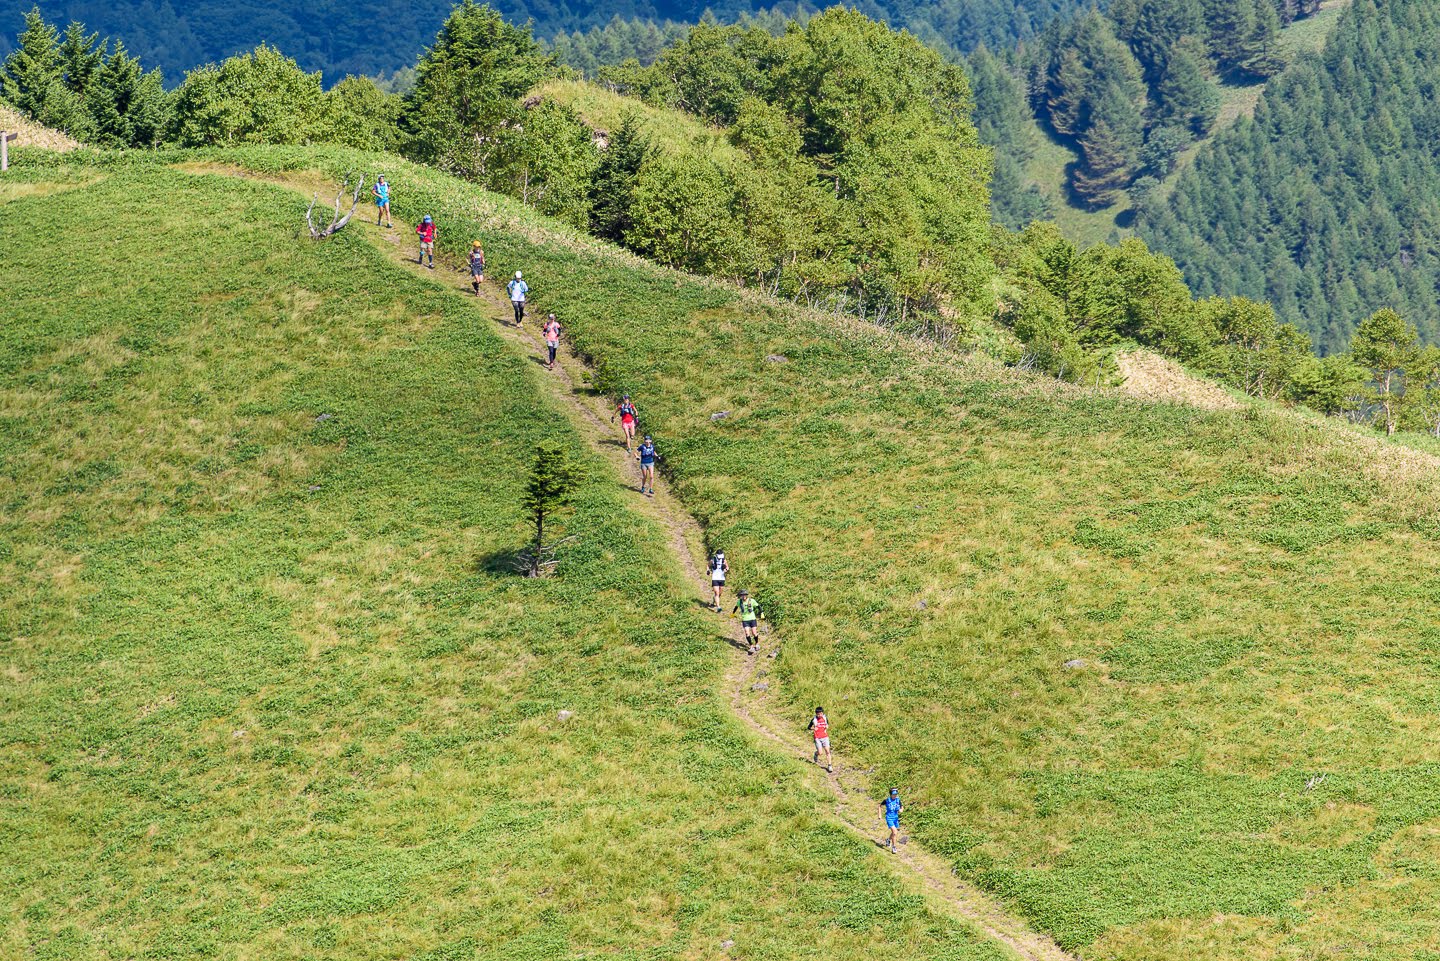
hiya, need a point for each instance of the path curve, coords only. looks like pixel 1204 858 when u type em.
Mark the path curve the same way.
pixel 855 800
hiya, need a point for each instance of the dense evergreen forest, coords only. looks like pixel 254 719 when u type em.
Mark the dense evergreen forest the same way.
pixel 381 37
pixel 1128 89
pixel 1327 203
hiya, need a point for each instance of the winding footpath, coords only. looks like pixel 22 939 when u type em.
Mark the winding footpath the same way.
pixel 854 799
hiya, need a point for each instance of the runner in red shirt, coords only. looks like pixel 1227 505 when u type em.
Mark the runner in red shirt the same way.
pixel 425 230
pixel 552 338
pixel 628 416
pixel 820 729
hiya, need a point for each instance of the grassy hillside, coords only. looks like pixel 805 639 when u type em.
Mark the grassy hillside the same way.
pixel 1160 677
pixel 266 690
pixel 671 130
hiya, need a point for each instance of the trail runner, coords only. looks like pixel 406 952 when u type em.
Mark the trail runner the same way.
pixel 477 266
pixel 820 730
pixel 381 190
pixel 552 338
pixel 628 416
pixel 718 569
pixel 750 617
pixel 518 289
pixel 890 809
pixel 426 232
pixel 647 457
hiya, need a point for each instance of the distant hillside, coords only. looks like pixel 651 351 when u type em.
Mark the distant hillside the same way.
pixel 380 37
pixel 1326 203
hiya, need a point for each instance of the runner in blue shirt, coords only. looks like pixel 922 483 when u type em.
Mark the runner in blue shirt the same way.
pixel 381 190
pixel 890 809
pixel 646 455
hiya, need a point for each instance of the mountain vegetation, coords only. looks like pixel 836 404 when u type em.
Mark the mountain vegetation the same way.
pixel 379 38
pixel 1325 203
pixel 1128 89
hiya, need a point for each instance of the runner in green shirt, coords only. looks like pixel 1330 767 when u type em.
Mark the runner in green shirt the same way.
pixel 751 615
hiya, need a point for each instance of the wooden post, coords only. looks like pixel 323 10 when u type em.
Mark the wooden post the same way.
pixel 5 138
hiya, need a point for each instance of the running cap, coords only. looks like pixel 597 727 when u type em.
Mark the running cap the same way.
pixel 648 437
pixel 427 220
pixel 475 243
pixel 894 792
pixel 517 275
pixel 744 593
pixel 549 316
pixel 625 397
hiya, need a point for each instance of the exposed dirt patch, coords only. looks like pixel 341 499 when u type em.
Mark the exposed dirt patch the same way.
pixel 1151 377
pixel 32 134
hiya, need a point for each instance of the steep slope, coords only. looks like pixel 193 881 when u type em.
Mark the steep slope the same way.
pixel 266 686
pixel 1159 677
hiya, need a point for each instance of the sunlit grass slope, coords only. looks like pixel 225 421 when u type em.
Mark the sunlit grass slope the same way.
pixel 264 693
pixel 1239 760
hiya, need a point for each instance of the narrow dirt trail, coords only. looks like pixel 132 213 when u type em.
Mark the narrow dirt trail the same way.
pixel 855 801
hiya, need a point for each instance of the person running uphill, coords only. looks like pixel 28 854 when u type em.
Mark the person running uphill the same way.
pixel 628 416
pixel 477 266
pixel 518 289
pixel 750 617
pixel 890 809
pixel 381 190
pixel 426 232
pixel 718 570
pixel 647 457
pixel 820 730
pixel 552 338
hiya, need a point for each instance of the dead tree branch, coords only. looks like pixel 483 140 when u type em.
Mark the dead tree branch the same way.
pixel 336 221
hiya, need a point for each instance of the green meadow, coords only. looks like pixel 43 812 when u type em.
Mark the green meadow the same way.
pixel 1161 679
pixel 1238 761
pixel 267 689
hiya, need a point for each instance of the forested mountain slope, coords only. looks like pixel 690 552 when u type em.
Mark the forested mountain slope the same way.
pixel 1327 202
pixel 380 37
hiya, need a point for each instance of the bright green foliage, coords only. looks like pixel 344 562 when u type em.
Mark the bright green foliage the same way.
pixel 712 70
pixel 1324 202
pixel 552 162
pixel 360 114
pixel 1387 347
pixel 1252 350
pixel 258 97
pixel 268 689
pixel 549 490
pixel 679 216
pixel 462 114
pixel 127 106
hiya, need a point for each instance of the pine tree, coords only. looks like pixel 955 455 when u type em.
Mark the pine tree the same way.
pixel 33 70
pixel 80 57
pixel 1184 96
pixel 613 187
pixel 1067 99
pixel 1110 149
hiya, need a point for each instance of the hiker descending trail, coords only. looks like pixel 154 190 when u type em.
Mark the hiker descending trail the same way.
pixel 750 617
pixel 381 190
pixel 425 230
pixel 820 731
pixel 853 806
pixel 647 457
pixel 517 289
pixel 477 266
pixel 551 330
pixel 718 569
pixel 890 809
pixel 628 418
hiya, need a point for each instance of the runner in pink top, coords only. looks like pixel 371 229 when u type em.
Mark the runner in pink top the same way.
pixel 552 338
